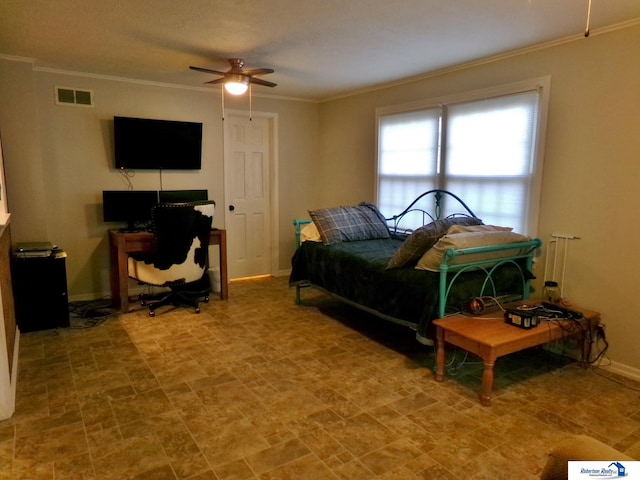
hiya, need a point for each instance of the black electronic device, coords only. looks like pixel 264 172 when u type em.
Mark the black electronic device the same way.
pixel 44 279
pixel 563 311
pixel 132 207
pixel 181 196
pixel 149 144
pixel 521 317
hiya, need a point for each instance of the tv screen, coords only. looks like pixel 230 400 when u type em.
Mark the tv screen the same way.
pixel 144 144
pixel 132 207
pixel 181 196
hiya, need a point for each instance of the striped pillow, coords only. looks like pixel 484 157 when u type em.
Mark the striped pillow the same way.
pixel 348 224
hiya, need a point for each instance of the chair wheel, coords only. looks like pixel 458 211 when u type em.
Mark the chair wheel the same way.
pixel 197 309
pixel 152 313
pixel 206 299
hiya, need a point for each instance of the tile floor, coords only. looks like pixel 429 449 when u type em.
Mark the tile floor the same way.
pixel 257 387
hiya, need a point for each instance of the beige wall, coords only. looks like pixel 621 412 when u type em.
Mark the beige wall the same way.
pixel 58 161
pixel 21 148
pixel 591 166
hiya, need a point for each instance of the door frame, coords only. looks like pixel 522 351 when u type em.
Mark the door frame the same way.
pixel 272 119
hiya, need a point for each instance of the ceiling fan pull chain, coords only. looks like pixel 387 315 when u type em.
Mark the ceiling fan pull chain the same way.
pixel 250 105
pixel 222 95
pixel 586 31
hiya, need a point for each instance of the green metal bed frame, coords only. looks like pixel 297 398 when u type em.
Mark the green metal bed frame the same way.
pixel 450 271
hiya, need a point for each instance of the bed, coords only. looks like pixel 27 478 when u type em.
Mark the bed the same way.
pixel 421 264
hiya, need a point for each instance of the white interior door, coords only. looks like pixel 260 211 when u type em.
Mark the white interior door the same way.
pixel 248 157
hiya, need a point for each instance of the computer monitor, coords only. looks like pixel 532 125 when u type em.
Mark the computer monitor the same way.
pixel 132 207
pixel 181 196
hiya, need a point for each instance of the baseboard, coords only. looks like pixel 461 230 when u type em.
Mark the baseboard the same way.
pixel 89 297
pixel 623 370
pixel 8 393
pixel 571 348
pixel 133 291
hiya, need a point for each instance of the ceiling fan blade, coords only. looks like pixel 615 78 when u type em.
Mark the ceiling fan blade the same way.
pixel 259 71
pixel 217 80
pixel 259 81
pixel 206 70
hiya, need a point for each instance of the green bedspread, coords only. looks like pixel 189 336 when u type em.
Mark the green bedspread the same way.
pixel 356 271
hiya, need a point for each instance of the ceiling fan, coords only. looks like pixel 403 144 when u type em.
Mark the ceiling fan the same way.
pixel 237 80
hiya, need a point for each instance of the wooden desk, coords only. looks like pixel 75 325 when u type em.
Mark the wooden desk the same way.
pixel 489 337
pixel 121 244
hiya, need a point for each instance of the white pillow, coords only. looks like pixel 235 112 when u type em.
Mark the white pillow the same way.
pixel 433 257
pixel 477 228
pixel 310 233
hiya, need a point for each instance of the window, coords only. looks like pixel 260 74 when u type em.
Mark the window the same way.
pixel 484 146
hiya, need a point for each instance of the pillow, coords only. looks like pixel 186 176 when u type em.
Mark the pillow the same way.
pixel 477 228
pixel 423 238
pixel 310 233
pixel 433 257
pixel 577 448
pixel 348 224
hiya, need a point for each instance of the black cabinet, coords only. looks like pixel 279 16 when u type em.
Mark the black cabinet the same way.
pixel 40 291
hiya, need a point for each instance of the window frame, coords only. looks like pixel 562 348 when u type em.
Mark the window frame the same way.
pixel 540 84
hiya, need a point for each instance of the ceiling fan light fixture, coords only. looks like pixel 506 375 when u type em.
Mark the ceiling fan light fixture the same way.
pixel 237 81
pixel 236 84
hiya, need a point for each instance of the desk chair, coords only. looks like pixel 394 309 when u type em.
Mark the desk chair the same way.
pixel 179 257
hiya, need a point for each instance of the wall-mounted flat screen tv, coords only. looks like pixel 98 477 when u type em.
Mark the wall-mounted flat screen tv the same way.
pixel 147 144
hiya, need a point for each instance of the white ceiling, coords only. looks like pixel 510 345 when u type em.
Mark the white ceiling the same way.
pixel 318 48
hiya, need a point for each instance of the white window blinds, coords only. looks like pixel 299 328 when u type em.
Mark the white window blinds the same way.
pixel 490 154
pixel 483 150
pixel 408 158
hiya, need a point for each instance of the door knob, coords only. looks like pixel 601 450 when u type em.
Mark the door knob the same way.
pixel 231 208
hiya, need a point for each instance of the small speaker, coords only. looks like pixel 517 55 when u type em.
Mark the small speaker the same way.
pixel 476 306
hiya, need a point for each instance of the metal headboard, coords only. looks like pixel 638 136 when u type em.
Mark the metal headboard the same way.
pixel 436 206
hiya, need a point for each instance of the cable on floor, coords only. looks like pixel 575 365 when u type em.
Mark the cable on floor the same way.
pixel 90 313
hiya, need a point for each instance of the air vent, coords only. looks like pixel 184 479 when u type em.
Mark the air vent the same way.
pixel 73 96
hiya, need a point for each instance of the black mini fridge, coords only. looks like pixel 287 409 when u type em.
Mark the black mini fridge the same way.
pixel 40 291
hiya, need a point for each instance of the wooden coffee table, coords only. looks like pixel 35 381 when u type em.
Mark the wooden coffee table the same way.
pixel 489 337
